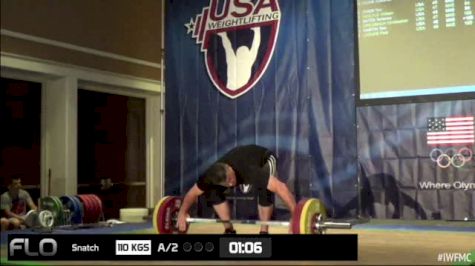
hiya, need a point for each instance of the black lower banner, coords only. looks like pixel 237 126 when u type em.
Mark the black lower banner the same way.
pixel 183 247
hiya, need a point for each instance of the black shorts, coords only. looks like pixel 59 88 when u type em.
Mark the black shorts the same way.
pixel 265 197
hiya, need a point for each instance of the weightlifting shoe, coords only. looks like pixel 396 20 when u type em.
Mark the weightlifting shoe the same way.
pixel 230 231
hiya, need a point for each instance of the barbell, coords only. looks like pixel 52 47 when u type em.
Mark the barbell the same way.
pixel 309 218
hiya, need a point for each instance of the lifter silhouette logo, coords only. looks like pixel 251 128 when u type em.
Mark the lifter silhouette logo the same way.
pixel 237 38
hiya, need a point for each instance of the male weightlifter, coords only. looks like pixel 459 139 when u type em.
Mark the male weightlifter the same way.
pixel 244 165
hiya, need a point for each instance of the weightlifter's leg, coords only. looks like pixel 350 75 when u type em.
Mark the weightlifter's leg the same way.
pixel 5 224
pixel 265 213
pixel 217 199
pixel 265 207
pixel 15 223
pixel 224 213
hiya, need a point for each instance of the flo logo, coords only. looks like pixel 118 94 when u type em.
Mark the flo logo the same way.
pixel 237 38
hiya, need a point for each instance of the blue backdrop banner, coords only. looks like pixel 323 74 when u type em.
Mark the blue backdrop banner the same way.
pixel 417 160
pixel 278 73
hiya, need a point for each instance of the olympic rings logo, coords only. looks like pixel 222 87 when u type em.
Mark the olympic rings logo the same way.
pixel 451 156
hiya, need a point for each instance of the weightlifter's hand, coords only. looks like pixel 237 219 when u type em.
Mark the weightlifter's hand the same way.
pixel 181 222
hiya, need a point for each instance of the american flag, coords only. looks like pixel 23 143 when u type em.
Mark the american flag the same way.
pixel 450 130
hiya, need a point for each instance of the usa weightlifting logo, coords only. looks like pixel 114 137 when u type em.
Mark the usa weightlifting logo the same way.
pixel 237 39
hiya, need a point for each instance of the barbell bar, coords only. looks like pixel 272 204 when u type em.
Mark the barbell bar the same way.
pixel 318 224
pixel 309 218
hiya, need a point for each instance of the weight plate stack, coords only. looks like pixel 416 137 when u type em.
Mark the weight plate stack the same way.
pixel 305 216
pixel 54 205
pixel 70 204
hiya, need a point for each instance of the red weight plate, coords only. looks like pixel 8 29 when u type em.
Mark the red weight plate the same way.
pixel 296 218
pixel 88 208
pixel 99 204
pixel 164 214
pixel 94 208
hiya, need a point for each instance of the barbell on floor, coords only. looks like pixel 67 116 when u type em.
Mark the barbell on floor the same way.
pixel 319 225
pixel 309 218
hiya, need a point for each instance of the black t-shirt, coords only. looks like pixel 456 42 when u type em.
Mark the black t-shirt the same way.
pixel 247 162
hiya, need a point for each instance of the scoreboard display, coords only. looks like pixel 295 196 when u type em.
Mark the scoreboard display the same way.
pixel 342 247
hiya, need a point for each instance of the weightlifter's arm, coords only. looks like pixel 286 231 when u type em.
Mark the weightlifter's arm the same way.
pixel 188 201
pixel 30 203
pixel 11 214
pixel 281 189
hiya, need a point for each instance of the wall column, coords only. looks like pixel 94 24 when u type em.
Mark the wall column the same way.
pixel 59 147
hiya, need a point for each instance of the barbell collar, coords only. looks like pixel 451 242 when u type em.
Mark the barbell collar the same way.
pixel 337 225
